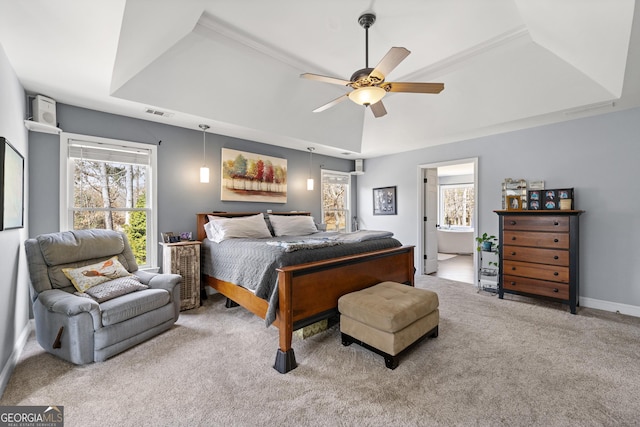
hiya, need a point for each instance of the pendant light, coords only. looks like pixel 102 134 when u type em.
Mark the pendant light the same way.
pixel 204 170
pixel 310 180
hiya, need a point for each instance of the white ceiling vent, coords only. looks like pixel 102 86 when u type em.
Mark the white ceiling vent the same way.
pixel 158 112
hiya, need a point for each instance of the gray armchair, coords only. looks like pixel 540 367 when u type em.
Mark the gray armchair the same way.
pixel 80 329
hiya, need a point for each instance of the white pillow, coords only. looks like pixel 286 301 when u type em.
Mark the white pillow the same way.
pixel 211 231
pixel 229 228
pixel 210 228
pixel 296 225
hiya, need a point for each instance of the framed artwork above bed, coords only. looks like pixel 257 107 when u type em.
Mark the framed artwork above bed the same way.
pixel 250 177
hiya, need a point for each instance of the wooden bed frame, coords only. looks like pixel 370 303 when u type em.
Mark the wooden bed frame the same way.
pixel 309 292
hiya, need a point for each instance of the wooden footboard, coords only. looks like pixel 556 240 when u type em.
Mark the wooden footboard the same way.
pixel 309 292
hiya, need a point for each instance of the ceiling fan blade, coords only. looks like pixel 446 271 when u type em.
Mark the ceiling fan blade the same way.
pixel 331 104
pixel 325 79
pixel 414 87
pixel 390 61
pixel 378 109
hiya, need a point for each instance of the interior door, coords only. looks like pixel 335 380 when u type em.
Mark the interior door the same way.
pixel 431 219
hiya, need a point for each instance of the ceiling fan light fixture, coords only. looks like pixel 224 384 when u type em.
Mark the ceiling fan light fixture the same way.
pixel 367 95
pixel 369 84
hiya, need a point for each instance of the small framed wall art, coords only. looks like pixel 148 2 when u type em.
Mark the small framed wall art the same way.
pixel 384 201
pixel 514 203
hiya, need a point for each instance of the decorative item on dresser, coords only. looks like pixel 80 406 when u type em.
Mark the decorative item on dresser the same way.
pixel 539 254
pixel 183 258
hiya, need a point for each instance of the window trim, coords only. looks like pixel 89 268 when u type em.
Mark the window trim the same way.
pixel 349 208
pixel 441 219
pixel 66 187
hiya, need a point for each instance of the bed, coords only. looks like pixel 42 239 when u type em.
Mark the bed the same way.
pixel 306 289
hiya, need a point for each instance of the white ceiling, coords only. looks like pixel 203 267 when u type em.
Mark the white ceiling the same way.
pixel 235 64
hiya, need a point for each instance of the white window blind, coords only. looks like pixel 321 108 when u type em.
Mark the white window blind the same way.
pixel 103 152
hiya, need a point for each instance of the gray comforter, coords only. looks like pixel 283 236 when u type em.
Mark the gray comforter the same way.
pixel 252 263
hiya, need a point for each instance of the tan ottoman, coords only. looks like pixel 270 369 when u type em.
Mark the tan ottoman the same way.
pixel 388 318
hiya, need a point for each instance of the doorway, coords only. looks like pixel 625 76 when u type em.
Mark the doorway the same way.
pixel 447 219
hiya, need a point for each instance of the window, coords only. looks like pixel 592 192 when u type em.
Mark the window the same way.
pixel 335 188
pixel 110 184
pixel 456 205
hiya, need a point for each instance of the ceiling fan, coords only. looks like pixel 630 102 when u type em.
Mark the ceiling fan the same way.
pixel 369 83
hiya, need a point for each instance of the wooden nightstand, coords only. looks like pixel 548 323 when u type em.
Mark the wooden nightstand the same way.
pixel 183 258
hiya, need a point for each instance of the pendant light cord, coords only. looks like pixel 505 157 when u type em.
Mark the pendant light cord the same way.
pixel 310 158
pixel 204 142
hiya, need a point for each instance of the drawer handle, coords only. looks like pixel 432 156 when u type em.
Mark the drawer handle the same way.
pixel 555 240
pixel 513 238
pixel 556 257
pixel 513 269
pixel 556 223
pixel 555 273
pixel 513 253
pixel 555 290
pixel 513 283
pixel 513 223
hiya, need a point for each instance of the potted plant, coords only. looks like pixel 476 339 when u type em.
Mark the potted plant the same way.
pixel 486 242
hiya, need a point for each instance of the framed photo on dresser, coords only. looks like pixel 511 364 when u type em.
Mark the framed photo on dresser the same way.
pixel 514 203
pixel 550 200
pixel 534 198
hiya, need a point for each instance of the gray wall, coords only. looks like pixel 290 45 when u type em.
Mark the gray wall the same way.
pixel 180 194
pixel 597 156
pixel 14 285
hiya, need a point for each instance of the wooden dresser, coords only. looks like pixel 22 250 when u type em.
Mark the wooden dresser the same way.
pixel 539 254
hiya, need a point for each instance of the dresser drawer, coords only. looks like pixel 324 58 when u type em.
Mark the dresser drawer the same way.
pixel 554 273
pixel 536 239
pixel 537 287
pixel 536 223
pixel 536 255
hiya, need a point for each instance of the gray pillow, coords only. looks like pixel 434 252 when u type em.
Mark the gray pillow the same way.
pixel 113 289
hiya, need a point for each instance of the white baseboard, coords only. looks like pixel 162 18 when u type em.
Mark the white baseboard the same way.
pixel 615 307
pixel 8 368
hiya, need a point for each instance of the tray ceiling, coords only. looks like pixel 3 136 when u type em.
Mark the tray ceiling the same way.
pixel 506 65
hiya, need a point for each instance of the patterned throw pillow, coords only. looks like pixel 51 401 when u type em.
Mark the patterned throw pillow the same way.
pixel 113 289
pixel 85 277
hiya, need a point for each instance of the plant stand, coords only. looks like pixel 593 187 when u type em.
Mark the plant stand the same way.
pixel 487 273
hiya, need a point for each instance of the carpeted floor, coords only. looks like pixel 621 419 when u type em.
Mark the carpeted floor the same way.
pixel 510 362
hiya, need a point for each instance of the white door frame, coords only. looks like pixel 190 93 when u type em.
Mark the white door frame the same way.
pixel 421 208
pixel 430 220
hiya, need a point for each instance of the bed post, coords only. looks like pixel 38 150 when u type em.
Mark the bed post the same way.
pixel 285 357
